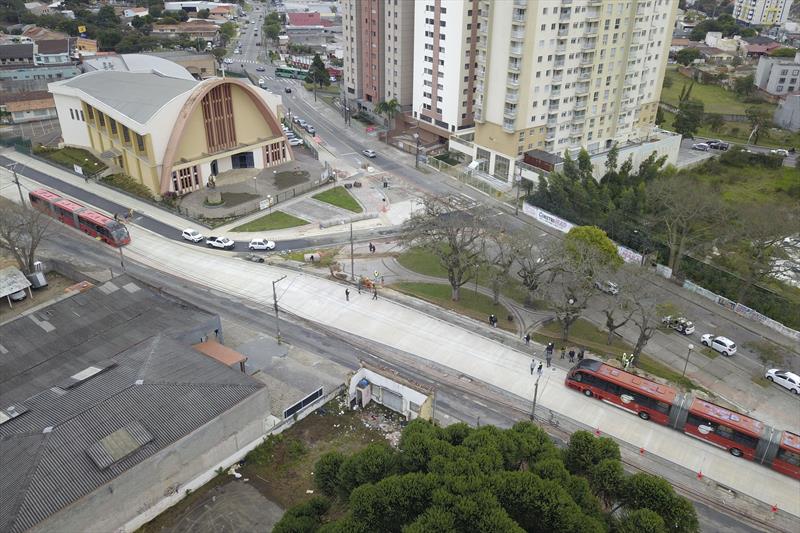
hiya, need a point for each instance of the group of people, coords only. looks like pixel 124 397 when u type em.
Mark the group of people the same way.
pixel 493 320
pixel 574 353
pixel 374 292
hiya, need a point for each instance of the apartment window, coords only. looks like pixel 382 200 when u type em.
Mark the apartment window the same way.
pixel 71 114
pixel 442 24
pixel 140 142
pixel 544 11
pixel 544 27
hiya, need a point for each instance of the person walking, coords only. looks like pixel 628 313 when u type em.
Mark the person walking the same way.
pixel 549 349
pixel 581 353
pixel 347 295
pixel 359 285
pixel 375 293
pixel 563 352
pixel 572 355
pixel 528 341
pixel 539 368
pixel 549 357
pixel 533 365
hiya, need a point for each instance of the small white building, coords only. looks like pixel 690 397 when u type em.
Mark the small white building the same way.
pixel 387 388
pixel 135 12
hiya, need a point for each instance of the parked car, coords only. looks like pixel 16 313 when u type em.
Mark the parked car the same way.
pixel 287 90
pixel 310 129
pixel 679 324
pixel 780 151
pixel 220 242
pixel 608 287
pixel 369 153
pixel 723 345
pixel 260 69
pixel 192 235
pixel 718 145
pixel 295 142
pixel 228 60
pixel 703 147
pixel 261 244
pixel 784 378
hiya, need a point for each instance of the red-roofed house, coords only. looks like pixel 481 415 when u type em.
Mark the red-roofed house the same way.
pixel 305 19
pixel 758 50
pixel 308 28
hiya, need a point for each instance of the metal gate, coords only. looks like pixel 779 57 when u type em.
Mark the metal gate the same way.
pixel 392 400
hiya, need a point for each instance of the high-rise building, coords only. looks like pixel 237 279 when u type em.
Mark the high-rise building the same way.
pixel 379 37
pixel 446 35
pixel 558 75
pixel 762 12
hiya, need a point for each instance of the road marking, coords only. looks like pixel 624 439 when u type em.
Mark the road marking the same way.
pixel 712 326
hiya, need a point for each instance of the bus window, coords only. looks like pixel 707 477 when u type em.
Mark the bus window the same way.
pixel 788 456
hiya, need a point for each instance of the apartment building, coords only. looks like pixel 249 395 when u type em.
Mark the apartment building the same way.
pixel 378 51
pixel 446 37
pixel 558 75
pixel 778 76
pixel 762 12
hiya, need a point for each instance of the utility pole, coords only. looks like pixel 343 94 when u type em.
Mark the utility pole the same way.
pixel 275 303
pixel 519 184
pixel 121 259
pixel 416 159
pixel 535 394
pixel 13 169
pixel 352 261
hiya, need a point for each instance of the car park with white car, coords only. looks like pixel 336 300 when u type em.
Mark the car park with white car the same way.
pixel 192 235
pixel 786 379
pixel 723 345
pixel 220 242
pixel 261 244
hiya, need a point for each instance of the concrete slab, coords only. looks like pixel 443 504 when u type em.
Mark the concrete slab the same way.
pixel 314 210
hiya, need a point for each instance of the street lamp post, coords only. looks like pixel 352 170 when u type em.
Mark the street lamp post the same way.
pixel 691 347
pixel 255 185
pixel 535 395
pixel 275 303
pixel 416 158
pixel 518 180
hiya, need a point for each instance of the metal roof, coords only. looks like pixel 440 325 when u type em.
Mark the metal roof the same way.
pixel 13 51
pixel 137 95
pixel 12 280
pixel 153 390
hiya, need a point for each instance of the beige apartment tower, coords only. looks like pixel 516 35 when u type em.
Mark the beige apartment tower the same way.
pixel 561 75
pixel 378 52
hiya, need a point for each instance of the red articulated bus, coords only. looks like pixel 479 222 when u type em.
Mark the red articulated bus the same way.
pixel 741 435
pixel 78 216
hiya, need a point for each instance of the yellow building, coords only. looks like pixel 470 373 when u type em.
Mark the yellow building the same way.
pixel 170 134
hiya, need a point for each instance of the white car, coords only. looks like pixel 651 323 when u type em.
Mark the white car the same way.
pixel 220 242
pixel 780 151
pixel 784 378
pixel 261 244
pixel 703 147
pixel 369 153
pixel 192 235
pixel 295 142
pixel 723 345
pixel 228 60
pixel 608 287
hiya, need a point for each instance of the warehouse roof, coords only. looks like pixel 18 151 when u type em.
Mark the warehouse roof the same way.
pixel 88 392
pixel 137 95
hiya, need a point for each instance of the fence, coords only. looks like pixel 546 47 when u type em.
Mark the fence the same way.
pixel 742 310
pixel 724 116
pixel 631 256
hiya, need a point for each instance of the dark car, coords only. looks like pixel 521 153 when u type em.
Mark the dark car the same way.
pixel 718 145
pixel 287 90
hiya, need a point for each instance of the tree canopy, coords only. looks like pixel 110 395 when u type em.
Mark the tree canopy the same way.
pixel 488 480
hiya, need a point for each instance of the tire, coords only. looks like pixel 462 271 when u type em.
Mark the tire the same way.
pixel 587 393
pixel 736 452
pixel 796 391
pixel 769 378
pixel 644 416
pixel 704 343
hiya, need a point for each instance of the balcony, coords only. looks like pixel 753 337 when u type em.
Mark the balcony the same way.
pixel 586 60
pixel 515 51
pixel 521 3
pixel 508 125
pixel 557 77
pixel 512 82
pixel 518 34
pixel 590 44
pixel 582 89
pixel 561 48
pixel 590 31
pixel 563 32
pixel 552 121
pixel 585 75
pixel 518 17
pixel 565 15
pixel 512 97
pixel 510 112
pixel 514 66
pixel 593 15
pixel 580 104
pixel 558 63
pixel 579 118
pixel 553 106
pixel 555 93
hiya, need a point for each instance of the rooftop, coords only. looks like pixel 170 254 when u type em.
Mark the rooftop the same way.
pixel 136 63
pixel 137 95
pixel 12 280
pixel 13 51
pixel 89 388
pixel 53 46
pixel 311 18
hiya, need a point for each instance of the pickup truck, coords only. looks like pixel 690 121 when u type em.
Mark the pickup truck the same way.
pixel 220 242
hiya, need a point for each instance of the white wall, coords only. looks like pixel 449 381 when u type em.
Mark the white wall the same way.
pixel 74 132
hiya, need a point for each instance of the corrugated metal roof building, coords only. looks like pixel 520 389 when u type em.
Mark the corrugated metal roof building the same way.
pixel 105 408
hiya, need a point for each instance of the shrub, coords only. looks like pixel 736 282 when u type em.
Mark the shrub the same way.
pixel 326 472
pixel 128 184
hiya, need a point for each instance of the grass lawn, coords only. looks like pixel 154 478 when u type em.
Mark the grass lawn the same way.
pixel 584 333
pixel 69 156
pixel 272 221
pixel 330 89
pixel 477 306
pixel 340 197
pixel 326 256
pixel 737 132
pixel 715 99
pixel 282 467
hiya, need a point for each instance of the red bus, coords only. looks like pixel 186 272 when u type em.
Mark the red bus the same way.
pixel 78 216
pixel 623 389
pixel 729 430
pixel 740 434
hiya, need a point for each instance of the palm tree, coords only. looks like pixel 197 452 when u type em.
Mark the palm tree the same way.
pixel 388 109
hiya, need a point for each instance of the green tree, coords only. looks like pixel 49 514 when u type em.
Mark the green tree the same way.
pixel 584 240
pixel 585 452
pixel 303 518
pixel 640 521
pixel 783 52
pixel 326 472
pixel 272 31
pixel 659 116
pixel 689 118
pixel 607 480
pixel 203 13
pixel 744 86
pixel 107 17
pixel 388 109
pixel 714 122
pixel 227 32
pixel 643 491
pixel 760 120
pixel 687 56
pixel 318 74
pixel 219 53
pixel 109 39
pixel 370 465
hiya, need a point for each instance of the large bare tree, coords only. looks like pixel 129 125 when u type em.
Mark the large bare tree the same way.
pixel 21 231
pixel 687 214
pixel 452 234
pixel 502 250
pixel 538 263
pixel 763 244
